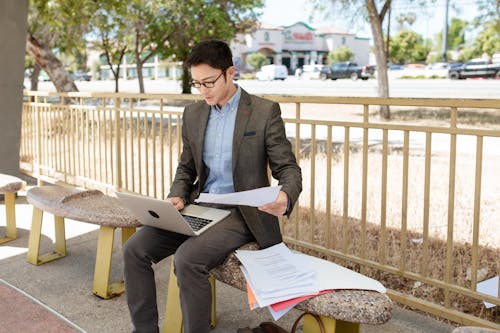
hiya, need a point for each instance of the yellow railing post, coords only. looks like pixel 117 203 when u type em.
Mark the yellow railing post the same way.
pixel 118 151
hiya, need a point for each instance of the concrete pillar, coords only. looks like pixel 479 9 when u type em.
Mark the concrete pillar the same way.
pixel 13 22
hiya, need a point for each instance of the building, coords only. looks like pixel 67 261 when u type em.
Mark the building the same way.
pixel 297 45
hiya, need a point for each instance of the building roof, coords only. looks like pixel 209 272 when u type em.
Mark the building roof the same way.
pixel 325 30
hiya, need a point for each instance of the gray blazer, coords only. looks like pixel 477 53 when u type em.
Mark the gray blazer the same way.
pixel 259 140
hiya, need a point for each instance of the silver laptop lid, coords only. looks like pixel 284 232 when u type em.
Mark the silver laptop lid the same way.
pixel 162 214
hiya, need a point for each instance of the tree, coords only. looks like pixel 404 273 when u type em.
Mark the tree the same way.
pixel 375 14
pixel 488 40
pixel 150 32
pixel 109 24
pixel 256 60
pixel 406 18
pixel 195 20
pixel 342 53
pixel 456 35
pixel 64 34
pixel 407 46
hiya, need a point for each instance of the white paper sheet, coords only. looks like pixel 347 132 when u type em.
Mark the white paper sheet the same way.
pixel 254 198
pixel 276 269
pixel 489 287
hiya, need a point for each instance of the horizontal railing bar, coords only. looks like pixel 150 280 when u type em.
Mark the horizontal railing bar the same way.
pixel 453 315
pixel 391 101
pixel 396 127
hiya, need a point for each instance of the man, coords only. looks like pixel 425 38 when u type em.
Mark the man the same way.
pixel 229 140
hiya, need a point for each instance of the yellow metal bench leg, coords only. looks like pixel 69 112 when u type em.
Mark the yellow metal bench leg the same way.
pixel 331 325
pixel 213 321
pixel 172 322
pixel 33 256
pixel 10 215
pixel 102 270
pixel 102 287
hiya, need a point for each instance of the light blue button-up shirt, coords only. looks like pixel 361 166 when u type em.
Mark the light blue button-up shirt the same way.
pixel 218 146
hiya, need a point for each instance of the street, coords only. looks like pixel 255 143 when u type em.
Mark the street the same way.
pixel 416 88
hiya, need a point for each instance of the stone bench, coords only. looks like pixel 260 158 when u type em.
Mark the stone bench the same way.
pixel 90 206
pixel 340 311
pixel 9 186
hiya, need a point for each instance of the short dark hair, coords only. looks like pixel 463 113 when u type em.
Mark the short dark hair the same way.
pixel 214 53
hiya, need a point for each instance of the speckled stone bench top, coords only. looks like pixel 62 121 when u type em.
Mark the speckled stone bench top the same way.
pixel 473 329
pixel 90 206
pixel 357 306
pixel 10 184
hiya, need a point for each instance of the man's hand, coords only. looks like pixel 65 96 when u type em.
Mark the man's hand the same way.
pixel 278 207
pixel 178 202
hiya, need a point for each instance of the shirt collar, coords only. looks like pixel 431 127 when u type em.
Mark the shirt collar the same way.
pixel 232 103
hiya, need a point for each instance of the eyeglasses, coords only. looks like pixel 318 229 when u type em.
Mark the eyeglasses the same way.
pixel 206 84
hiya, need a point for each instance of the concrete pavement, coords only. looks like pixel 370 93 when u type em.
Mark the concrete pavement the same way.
pixel 65 285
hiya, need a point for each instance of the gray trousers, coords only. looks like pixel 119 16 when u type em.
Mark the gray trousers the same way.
pixel 194 258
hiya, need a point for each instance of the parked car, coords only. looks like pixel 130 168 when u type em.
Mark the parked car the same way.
pixel 395 67
pixel 438 65
pixel 475 68
pixel 80 76
pixel 272 72
pixel 347 69
pixel 311 71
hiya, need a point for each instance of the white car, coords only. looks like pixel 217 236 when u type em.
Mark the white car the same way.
pixel 272 72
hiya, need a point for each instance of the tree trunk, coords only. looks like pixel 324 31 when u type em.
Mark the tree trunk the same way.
pixel 51 64
pixel 380 56
pixel 186 85
pixel 117 77
pixel 138 63
pixel 140 77
pixel 34 77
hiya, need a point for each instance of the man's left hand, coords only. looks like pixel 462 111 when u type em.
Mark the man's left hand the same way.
pixel 278 207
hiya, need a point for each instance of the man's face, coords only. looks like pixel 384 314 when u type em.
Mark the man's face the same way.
pixel 223 87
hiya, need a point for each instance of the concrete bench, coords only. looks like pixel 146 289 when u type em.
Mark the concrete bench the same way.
pixel 341 311
pixel 9 186
pixel 90 206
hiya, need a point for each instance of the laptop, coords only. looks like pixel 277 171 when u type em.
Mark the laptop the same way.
pixel 193 220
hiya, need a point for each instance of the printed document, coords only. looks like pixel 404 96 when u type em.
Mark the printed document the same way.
pixel 254 198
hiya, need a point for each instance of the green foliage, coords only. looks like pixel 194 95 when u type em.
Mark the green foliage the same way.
pixel 456 35
pixel 488 40
pixel 437 56
pixel 467 54
pixel 342 53
pixel 195 20
pixel 257 60
pixel 61 25
pixel 408 47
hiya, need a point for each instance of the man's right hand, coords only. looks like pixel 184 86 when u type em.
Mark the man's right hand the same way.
pixel 178 202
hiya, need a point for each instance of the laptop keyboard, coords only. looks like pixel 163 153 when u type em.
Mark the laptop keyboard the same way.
pixel 196 222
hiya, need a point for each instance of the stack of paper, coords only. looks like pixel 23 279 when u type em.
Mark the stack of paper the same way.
pixel 280 279
pixel 277 278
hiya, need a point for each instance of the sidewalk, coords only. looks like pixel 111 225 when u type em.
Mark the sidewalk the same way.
pixel 65 285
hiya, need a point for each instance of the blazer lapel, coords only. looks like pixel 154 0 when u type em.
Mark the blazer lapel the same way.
pixel 203 112
pixel 242 117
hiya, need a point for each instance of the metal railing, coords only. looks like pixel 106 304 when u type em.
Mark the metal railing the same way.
pixel 398 200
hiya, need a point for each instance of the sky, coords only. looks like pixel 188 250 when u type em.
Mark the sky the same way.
pixel 287 12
